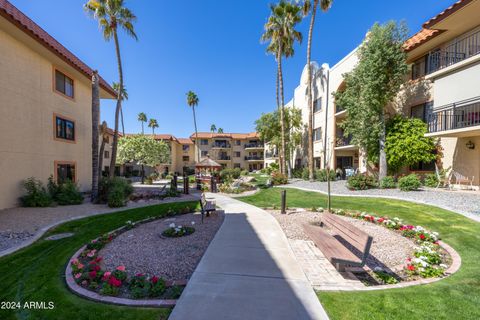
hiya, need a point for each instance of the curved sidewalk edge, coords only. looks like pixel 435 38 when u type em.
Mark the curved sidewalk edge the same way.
pixel 471 216
pixel 249 272
pixel 43 230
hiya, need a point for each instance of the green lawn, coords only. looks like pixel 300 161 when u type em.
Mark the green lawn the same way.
pixel 456 297
pixel 36 273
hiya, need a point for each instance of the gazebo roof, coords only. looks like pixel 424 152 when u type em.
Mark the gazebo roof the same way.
pixel 207 163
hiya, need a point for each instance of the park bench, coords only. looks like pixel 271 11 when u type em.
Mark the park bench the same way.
pixel 461 179
pixel 349 246
pixel 206 206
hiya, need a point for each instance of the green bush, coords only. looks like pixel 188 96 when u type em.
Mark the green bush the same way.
pixel 68 194
pixel 409 183
pixel 278 178
pixel 245 172
pixel 431 180
pixel 321 175
pixel 37 195
pixel 115 192
pixel 303 174
pixel 361 182
pixel 230 174
pixel 272 168
pixel 388 183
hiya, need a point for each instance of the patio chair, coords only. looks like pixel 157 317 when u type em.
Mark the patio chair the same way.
pixel 442 179
pixel 460 179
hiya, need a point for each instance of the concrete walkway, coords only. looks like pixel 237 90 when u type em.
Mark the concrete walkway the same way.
pixel 248 272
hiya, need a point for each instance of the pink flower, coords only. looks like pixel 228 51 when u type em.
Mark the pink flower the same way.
pixel 92 253
pixel 78 275
pixel 75 262
pixel 94 240
pixel 139 275
pixel 80 266
pixel 154 279
pixel 114 282
pixel 92 274
pixel 121 268
pixel 106 276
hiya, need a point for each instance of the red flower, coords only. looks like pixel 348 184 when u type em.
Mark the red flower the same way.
pixel 98 260
pixel 93 274
pixel 422 236
pixel 154 279
pixel 114 282
pixel 411 267
pixel 139 275
pixel 97 268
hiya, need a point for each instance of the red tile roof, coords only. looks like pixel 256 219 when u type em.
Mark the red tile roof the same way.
pixel 185 141
pixel 445 13
pixel 419 38
pixel 212 135
pixel 24 23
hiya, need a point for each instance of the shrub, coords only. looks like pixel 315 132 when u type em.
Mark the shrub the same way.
pixel 245 172
pixel 278 178
pixel 68 194
pixel 431 180
pixel 321 175
pixel 409 183
pixel 388 183
pixel 37 195
pixel 361 182
pixel 158 287
pixel 115 191
pixel 272 168
pixel 230 174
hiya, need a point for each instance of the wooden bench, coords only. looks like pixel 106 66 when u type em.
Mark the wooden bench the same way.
pixel 206 206
pixel 348 247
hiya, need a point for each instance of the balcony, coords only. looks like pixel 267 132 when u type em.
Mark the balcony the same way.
pixel 254 145
pixel 221 145
pixel 463 48
pixel 271 155
pixel 339 109
pixel 460 119
pixel 344 142
pixel 223 158
pixel 254 158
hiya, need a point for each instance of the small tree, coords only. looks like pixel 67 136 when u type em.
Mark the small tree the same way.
pixel 406 143
pixel 142 150
pixel 371 86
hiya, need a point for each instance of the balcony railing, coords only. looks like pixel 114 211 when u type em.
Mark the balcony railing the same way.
pixel 252 158
pixel 343 141
pixel 463 48
pixel 254 145
pixel 339 108
pixel 271 155
pixel 462 114
pixel 222 157
pixel 221 145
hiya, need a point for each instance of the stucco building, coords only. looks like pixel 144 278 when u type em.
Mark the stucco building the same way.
pixel 45 108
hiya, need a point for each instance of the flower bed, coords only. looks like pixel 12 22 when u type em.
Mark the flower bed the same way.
pixel 429 260
pixel 87 272
pixel 178 231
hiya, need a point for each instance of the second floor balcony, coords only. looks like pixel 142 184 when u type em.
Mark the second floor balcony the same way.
pixel 270 155
pixel 254 158
pixel 456 119
pixel 343 141
pixel 221 145
pixel 254 145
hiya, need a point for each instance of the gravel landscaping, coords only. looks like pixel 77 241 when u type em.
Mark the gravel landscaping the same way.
pixel 389 249
pixel 464 202
pixel 144 250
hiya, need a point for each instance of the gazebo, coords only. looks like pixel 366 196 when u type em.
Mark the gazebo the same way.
pixel 206 168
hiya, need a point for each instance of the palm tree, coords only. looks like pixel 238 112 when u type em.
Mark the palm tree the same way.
pixel 220 130
pixel 153 124
pixel 281 34
pixel 192 101
pixel 307 7
pixel 142 117
pixel 124 93
pixel 111 14
pixel 213 128
pixel 95 133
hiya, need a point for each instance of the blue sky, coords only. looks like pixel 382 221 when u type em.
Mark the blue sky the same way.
pixel 213 48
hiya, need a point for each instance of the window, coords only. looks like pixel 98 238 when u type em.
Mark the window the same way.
pixel 186 158
pixel 63 84
pixel 65 171
pixel 317 105
pixel 421 111
pixel 64 129
pixel 185 147
pixel 236 165
pixel 204 142
pixel 107 139
pixel 419 68
pixel 238 142
pixel 236 154
pixel 204 153
pixel 317 134
pixel 106 154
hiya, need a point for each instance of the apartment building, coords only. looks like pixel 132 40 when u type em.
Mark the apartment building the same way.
pixel 442 90
pixel 445 58
pixel 232 150
pixel 45 108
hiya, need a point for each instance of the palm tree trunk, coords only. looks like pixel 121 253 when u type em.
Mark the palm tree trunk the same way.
pixel 282 110
pixel 310 94
pixel 113 159
pixel 123 125
pixel 278 108
pixel 95 133
pixel 196 133
pixel 142 127
pixel 382 172
pixel 100 161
